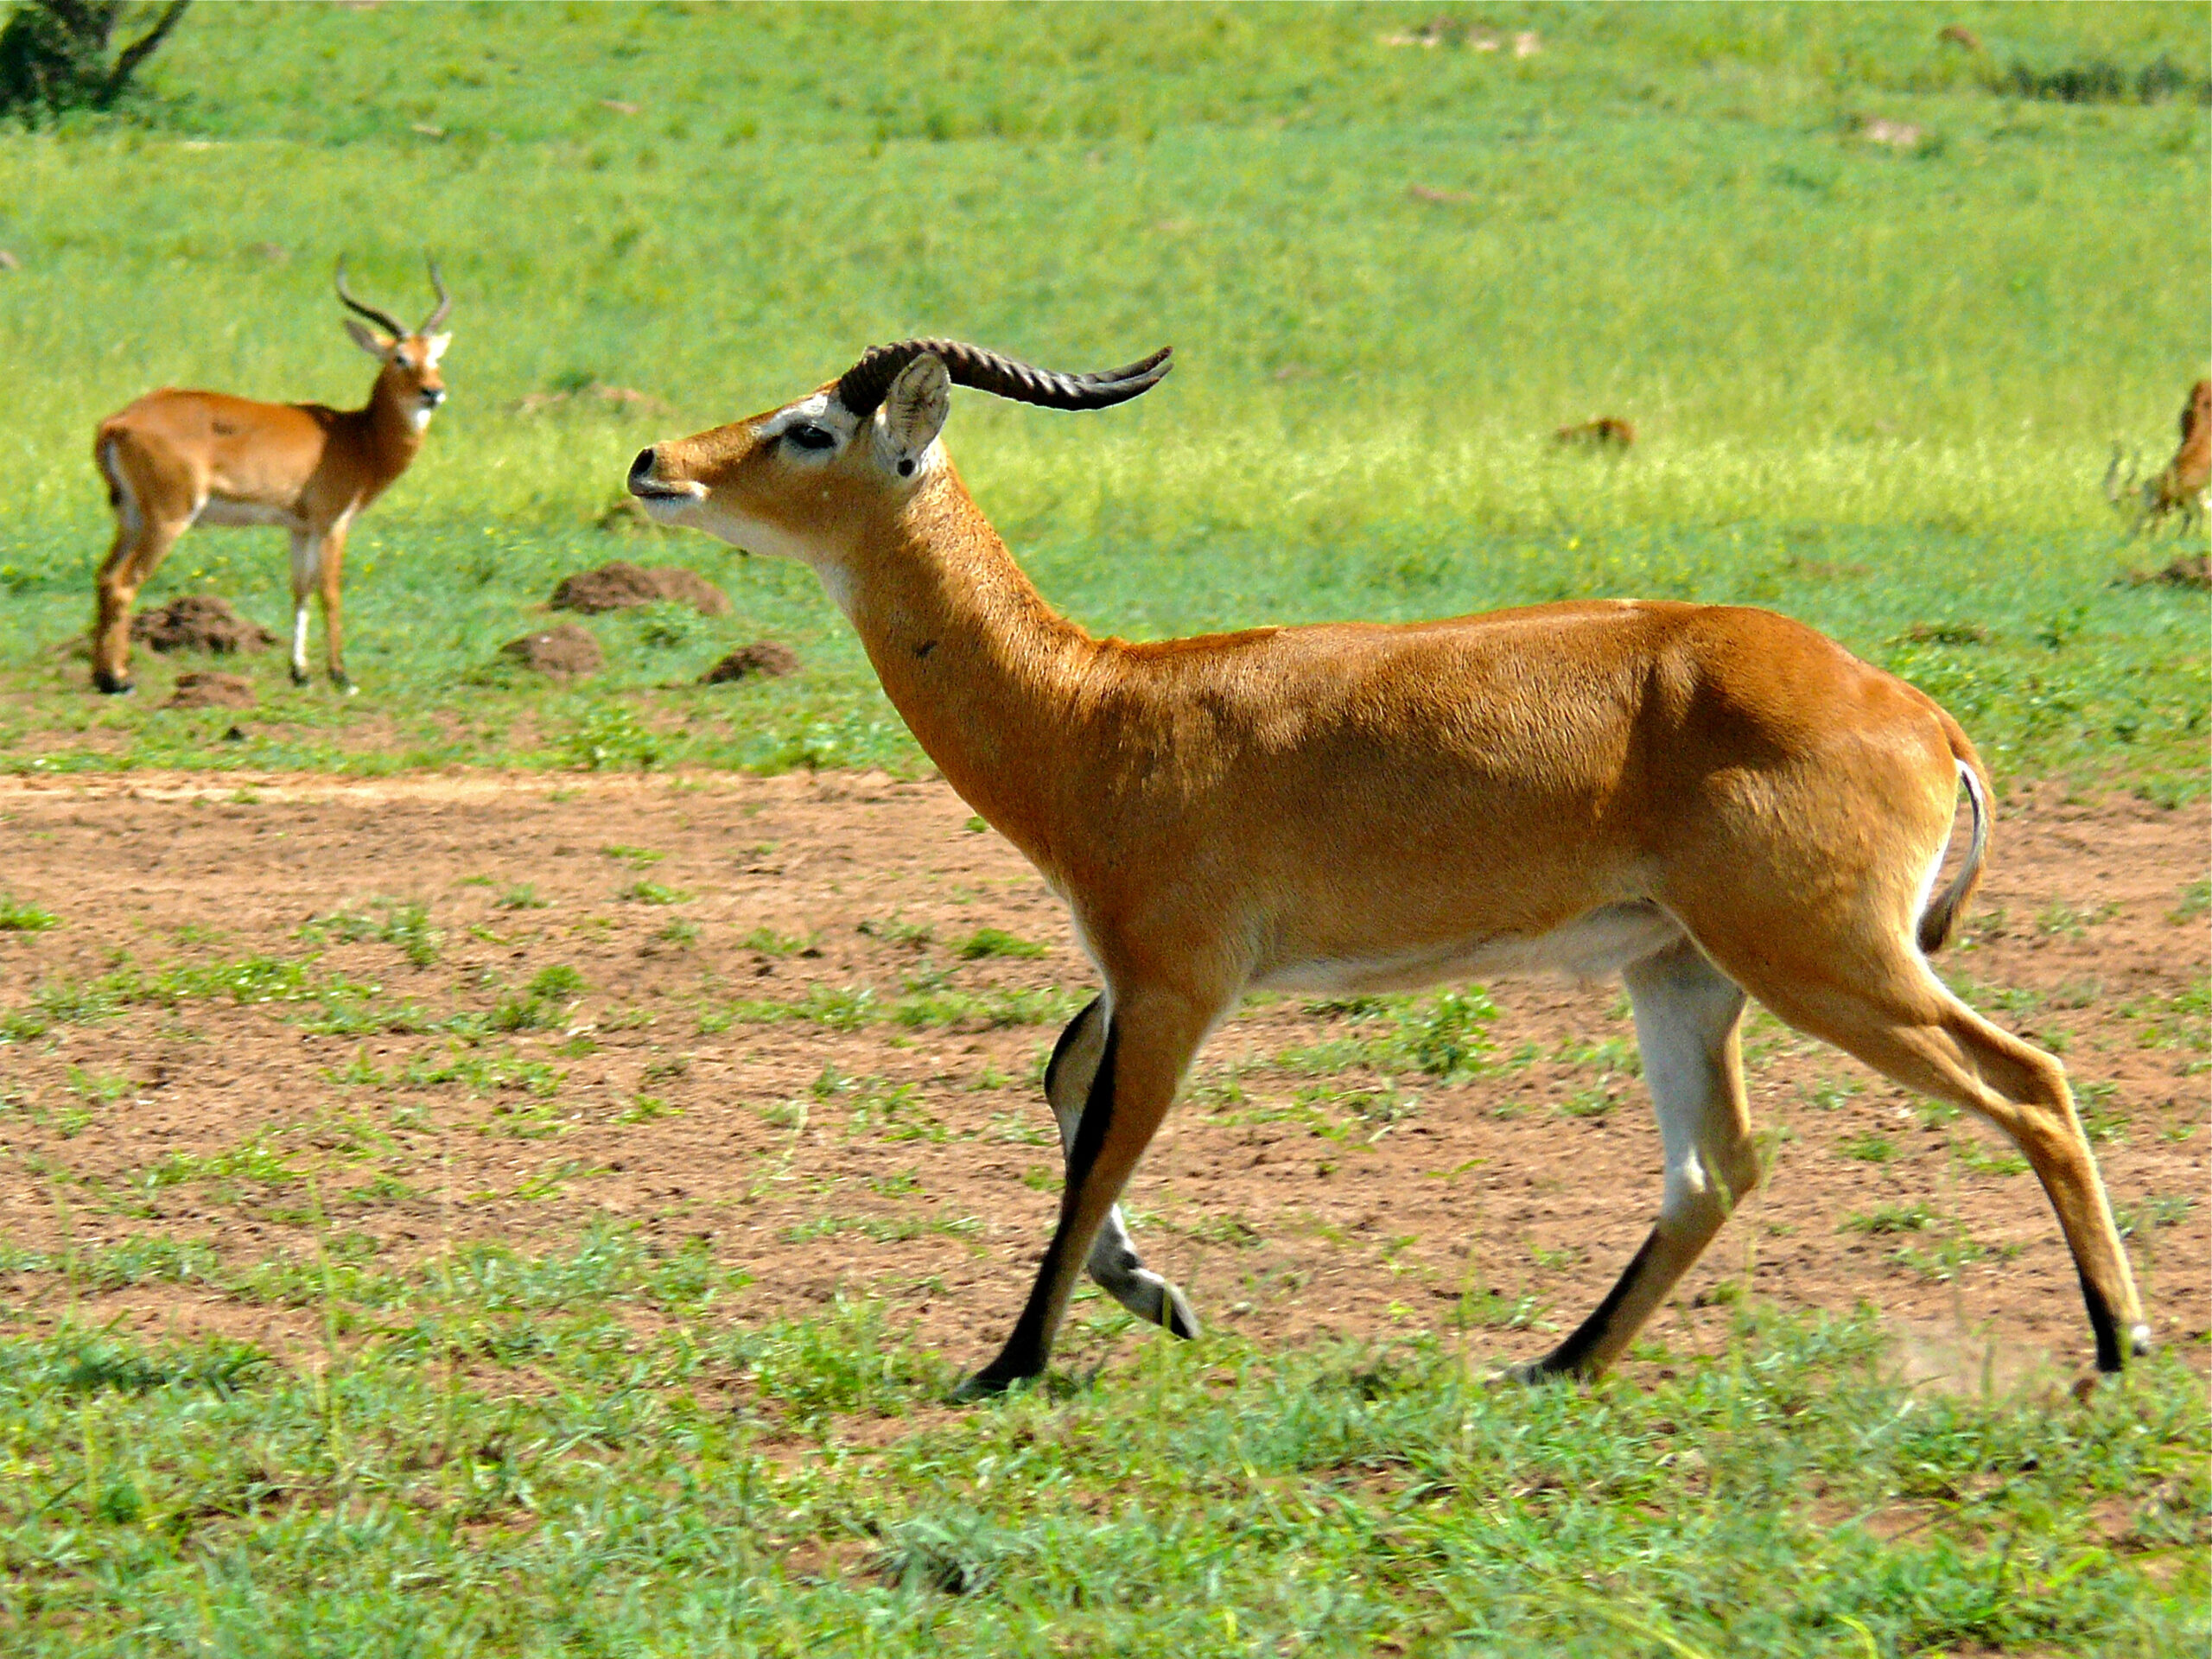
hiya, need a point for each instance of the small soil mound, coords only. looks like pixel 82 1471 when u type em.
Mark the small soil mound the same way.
pixel 212 691
pixel 198 622
pixel 569 649
pixel 619 585
pixel 2190 570
pixel 764 659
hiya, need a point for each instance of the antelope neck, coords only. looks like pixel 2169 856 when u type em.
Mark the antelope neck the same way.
pixel 985 673
pixel 393 435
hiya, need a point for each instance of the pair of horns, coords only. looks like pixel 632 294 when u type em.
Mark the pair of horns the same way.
pixel 384 320
pixel 862 387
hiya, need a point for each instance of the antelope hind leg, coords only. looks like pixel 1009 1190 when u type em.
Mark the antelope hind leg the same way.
pixel 1688 1014
pixel 1113 1263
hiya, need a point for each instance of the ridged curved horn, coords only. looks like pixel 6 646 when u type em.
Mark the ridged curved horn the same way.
pixel 384 320
pixel 861 388
pixel 445 300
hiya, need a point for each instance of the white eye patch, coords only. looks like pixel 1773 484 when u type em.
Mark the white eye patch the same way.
pixel 806 422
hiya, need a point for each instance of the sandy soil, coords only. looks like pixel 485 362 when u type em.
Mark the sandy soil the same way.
pixel 915 1164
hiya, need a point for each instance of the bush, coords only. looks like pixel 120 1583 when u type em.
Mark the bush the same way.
pixel 54 54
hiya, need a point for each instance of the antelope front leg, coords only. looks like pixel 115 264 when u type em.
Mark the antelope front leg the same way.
pixel 331 566
pixel 307 558
pixel 1112 1262
pixel 1149 1039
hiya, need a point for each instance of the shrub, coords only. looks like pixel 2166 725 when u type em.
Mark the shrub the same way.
pixel 54 54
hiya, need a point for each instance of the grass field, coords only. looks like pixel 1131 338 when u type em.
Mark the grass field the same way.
pixel 1876 388
pixel 1876 385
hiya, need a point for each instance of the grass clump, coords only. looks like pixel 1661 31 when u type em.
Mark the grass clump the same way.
pixel 19 916
pixel 391 921
pixel 995 942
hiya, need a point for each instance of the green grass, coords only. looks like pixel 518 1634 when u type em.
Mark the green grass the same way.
pixel 1876 389
pixel 586 1453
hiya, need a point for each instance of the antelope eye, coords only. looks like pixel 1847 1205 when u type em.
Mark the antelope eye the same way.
pixel 812 438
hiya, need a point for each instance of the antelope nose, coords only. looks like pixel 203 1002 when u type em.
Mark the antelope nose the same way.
pixel 641 468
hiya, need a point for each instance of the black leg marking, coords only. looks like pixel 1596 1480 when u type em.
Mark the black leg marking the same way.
pixel 1030 1342
pixel 2111 1356
pixel 1069 1033
pixel 1567 1358
pixel 1097 1118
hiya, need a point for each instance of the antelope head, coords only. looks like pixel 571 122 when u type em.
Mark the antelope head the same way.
pixel 807 481
pixel 410 381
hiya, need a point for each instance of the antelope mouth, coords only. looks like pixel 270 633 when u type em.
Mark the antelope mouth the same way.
pixel 659 494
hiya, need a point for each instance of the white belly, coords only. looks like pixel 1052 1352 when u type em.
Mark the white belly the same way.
pixel 1595 946
pixel 231 513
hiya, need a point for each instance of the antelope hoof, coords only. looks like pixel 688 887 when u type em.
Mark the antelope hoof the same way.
pixel 299 675
pixel 982 1386
pixel 344 686
pixel 1175 1316
pixel 2138 1341
pixel 1531 1374
pixel 113 685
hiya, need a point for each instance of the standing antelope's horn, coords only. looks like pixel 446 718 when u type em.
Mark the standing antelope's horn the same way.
pixel 445 300
pixel 383 320
pixel 861 388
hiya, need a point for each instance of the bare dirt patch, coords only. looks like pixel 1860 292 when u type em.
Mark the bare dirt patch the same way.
pixel 198 622
pixel 565 650
pixel 208 690
pixel 800 1018
pixel 618 585
pixel 766 659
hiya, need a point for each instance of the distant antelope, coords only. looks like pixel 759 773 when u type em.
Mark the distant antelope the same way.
pixel 175 459
pixel 1709 801
pixel 2183 485
pixel 1606 432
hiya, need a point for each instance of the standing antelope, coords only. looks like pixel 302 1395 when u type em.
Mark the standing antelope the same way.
pixel 175 459
pixel 1709 801
pixel 2185 481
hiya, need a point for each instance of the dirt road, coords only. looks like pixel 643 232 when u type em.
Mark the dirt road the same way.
pixel 802 1017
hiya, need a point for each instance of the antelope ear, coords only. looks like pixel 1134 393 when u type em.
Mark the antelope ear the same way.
pixel 369 340
pixel 913 413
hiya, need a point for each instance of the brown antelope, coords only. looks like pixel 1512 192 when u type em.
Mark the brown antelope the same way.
pixel 2183 485
pixel 176 459
pixel 1711 802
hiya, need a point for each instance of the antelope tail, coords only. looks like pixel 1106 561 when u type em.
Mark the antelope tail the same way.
pixel 1943 909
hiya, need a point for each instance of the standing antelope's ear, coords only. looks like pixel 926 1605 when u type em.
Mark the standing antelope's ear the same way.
pixel 913 413
pixel 368 340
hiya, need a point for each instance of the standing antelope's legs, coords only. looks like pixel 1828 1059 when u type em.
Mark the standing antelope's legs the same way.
pixel 1896 1015
pixel 1114 1262
pixel 129 564
pixel 329 568
pixel 1688 1015
pixel 143 539
pixel 116 589
pixel 306 567
pixel 1150 1036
